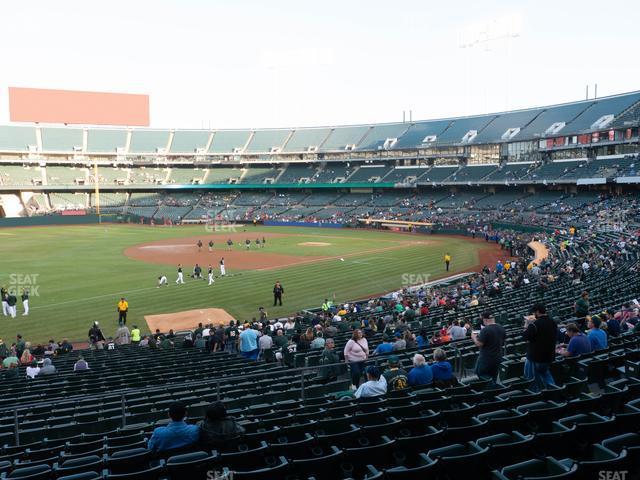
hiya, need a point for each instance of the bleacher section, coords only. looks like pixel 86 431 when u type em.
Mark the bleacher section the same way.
pixel 343 137
pixel 17 139
pixel 333 172
pixel 18 175
pixel 148 141
pixel 147 176
pixel 554 170
pixel 106 141
pixel 223 175
pixel 371 174
pixel 303 140
pixel 438 174
pixel 259 175
pixel 472 173
pixel 228 141
pixel 68 201
pixel 510 172
pixel 379 134
pixel 61 139
pixel 405 174
pixel 189 141
pixel 66 176
pixel 455 133
pixel 187 176
pixel 263 141
pixel 298 174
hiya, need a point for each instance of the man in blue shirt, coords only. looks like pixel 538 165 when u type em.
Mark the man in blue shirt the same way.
pixel 176 434
pixel 597 337
pixel 249 343
pixel 385 347
pixel 578 344
pixel 421 373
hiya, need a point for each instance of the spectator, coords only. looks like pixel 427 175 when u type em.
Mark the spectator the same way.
pixel 356 352
pixel 199 343
pixel 12 371
pixel 96 337
pixel 4 351
pixel 329 356
pixel 400 343
pixel 265 342
pixel 409 339
pixel 490 340
pixel 442 369
pixel 123 336
pixel 9 360
pixel 20 345
pixel 395 376
pixel 280 340
pixel 579 343
pixel 177 434
pixel 135 335
pixel 457 331
pixel 540 331
pixel 375 385
pixel 81 365
pixel 249 343
pixel 26 358
pixel 422 340
pixel 218 338
pixel 231 337
pixel 165 342
pixel 385 347
pixel 597 337
pixel 65 347
pixel 47 368
pixel 33 369
pixel 218 430
pixel 581 308
pixel 421 373
pixel 318 342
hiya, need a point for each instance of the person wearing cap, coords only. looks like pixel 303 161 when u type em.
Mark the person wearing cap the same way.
pixel 400 343
pixel 96 338
pixel 395 376
pixel 176 434
pixel 597 337
pixel 490 341
pixel 47 368
pixel 122 309
pixel 218 429
pixel 123 335
pixel 421 373
pixel 375 385
pixel 579 343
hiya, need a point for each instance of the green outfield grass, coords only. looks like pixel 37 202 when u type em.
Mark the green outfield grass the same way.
pixel 79 273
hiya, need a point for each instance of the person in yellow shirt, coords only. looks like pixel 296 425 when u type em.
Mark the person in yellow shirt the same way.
pixel 135 335
pixel 122 309
pixel 447 260
pixel 507 266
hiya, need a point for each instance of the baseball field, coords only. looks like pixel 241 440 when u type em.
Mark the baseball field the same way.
pixel 77 274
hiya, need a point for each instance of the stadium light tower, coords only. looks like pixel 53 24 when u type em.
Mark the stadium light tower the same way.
pixel 483 35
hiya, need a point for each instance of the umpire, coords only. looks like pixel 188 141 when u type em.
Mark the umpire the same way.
pixel 278 290
pixel 123 308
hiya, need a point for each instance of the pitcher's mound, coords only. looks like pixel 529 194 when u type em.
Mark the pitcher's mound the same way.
pixel 188 319
pixel 314 244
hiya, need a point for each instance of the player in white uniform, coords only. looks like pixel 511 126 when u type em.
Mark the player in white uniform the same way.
pixel 162 280
pixel 180 279
pixel 223 271
pixel 211 280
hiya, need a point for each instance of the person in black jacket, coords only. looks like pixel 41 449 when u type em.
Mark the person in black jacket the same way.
pixel 278 290
pixel 541 332
pixel 96 337
pixel 217 429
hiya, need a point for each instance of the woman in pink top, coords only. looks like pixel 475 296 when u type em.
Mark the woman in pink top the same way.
pixel 356 352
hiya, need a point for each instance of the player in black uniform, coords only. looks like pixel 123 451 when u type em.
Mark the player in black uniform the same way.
pixel 278 290
pixel 199 245
pixel 229 244
pixel 210 245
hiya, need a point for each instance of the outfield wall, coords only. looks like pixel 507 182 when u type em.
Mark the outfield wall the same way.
pixel 53 220
pixel 274 223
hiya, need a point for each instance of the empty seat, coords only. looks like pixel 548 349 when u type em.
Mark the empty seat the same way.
pixel 190 465
pixel 78 465
pixel 423 468
pixel 37 472
pixel 460 459
pixel 549 468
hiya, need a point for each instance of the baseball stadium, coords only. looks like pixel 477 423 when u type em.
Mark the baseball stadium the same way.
pixel 455 297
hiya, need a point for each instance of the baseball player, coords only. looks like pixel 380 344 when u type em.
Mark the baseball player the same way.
pixel 264 240
pixel 180 279
pixel 11 304
pixel 229 244
pixel 199 245
pixel 5 305
pixel 211 280
pixel 25 302
pixel 162 280
pixel 247 242
pixel 223 270
pixel 257 243
pixel 211 245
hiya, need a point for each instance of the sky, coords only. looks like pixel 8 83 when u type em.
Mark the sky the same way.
pixel 276 63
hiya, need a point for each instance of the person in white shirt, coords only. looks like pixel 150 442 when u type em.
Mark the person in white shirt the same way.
pixel 290 325
pixel 265 342
pixel 33 370
pixel 375 385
